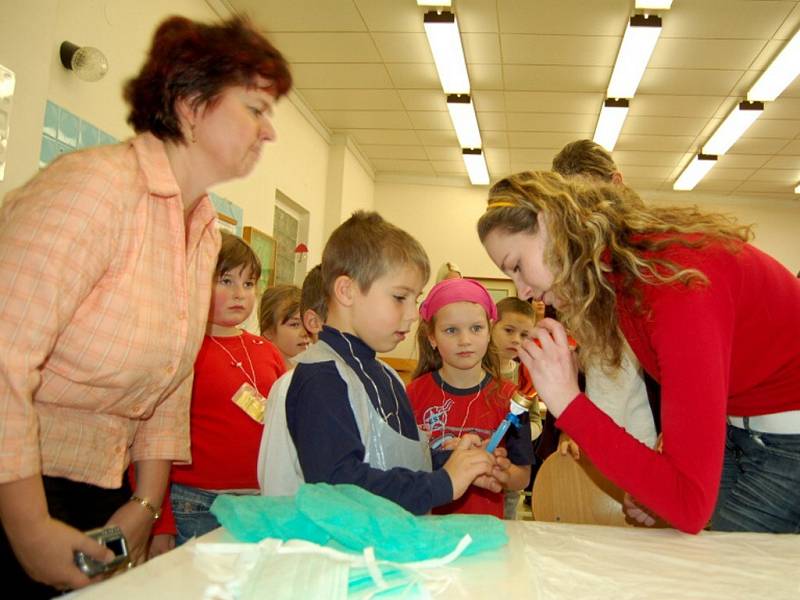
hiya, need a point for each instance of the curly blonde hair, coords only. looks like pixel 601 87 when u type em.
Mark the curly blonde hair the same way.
pixel 595 228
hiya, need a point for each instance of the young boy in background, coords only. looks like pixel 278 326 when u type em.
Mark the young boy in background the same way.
pixel 345 416
pixel 515 322
pixel 313 310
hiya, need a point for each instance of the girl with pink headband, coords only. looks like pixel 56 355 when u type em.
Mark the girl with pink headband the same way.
pixel 457 387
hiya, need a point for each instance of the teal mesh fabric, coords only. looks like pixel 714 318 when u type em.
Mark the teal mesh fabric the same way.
pixel 253 518
pixel 355 519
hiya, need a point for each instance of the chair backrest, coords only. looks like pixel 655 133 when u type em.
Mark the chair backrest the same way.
pixel 571 491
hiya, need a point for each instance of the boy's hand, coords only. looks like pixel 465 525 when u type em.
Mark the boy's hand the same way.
pixel 466 464
pixel 160 544
pixel 566 445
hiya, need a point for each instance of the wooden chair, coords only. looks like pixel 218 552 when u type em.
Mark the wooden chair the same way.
pixel 404 366
pixel 570 491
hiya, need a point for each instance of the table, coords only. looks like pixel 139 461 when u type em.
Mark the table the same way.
pixel 555 560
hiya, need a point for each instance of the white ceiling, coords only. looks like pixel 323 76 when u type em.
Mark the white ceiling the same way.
pixel 539 70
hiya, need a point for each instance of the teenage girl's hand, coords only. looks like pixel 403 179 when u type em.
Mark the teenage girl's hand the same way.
pixel 637 512
pixel 160 544
pixel 553 367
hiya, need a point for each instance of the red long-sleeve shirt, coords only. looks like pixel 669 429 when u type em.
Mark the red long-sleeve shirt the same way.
pixel 729 348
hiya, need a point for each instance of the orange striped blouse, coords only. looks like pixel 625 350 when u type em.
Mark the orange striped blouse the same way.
pixel 105 287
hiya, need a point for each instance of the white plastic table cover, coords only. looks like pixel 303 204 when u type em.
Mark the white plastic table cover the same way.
pixel 552 561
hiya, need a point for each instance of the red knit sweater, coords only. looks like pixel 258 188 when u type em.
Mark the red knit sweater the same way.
pixel 729 348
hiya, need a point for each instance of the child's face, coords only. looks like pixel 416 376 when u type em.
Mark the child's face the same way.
pixel 461 334
pixel 233 298
pixel 383 316
pixel 290 337
pixel 509 332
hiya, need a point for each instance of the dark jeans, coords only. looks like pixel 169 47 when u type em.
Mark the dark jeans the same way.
pixel 191 507
pixel 760 486
pixel 80 505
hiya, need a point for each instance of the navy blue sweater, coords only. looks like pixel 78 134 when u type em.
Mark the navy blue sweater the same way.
pixel 325 434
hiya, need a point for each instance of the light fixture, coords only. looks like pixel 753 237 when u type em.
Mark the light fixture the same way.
pixel 694 172
pixel 476 166
pixel 732 128
pixel 448 54
pixel 634 53
pixel 465 121
pixel 653 4
pixel 609 123
pixel 779 74
pixel 797 189
pixel 88 63
pixel 434 2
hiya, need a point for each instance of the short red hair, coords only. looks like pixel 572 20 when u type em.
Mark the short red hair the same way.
pixel 196 61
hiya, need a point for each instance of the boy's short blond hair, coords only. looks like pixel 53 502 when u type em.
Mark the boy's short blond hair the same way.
pixel 515 305
pixel 365 248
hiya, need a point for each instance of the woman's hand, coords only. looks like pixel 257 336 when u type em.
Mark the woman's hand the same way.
pixel 566 445
pixel 553 366
pixel 160 544
pixel 136 523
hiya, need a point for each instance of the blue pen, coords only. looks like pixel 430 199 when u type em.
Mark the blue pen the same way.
pixel 519 406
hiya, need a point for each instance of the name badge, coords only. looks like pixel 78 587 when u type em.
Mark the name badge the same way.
pixel 250 401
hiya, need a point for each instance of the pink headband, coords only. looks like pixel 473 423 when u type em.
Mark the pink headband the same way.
pixel 457 290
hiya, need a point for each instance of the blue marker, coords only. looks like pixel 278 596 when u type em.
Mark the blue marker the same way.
pixel 519 405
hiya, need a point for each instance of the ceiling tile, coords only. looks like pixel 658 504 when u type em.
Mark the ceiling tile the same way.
pixel 398 152
pixel 674 106
pixel 384 136
pixel 782 108
pixel 740 161
pixel 765 187
pixel 403 47
pixel 701 82
pixel 481 48
pixel 365 119
pixel 430 120
pixel 303 15
pixel 625 158
pixel 486 77
pixel 634 172
pixel 663 125
pixel 424 99
pixel 518 167
pixel 414 76
pixel 443 152
pixel 748 145
pixel 725 19
pixel 440 137
pixel 551 122
pixel 556 79
pixel 340 47
pixel 353 99
pixel 784 162
pixel 559 50
pixel 571 17
pixel 668 143
pixel 476 16
pixel 782 176
pixel 495 139
pixel 532 155
pixel 774 128
pixel 418 167
pixel 449 167
pixel 363 76
pixel 729 174
pixel 492 121
pixel 717 185
pixel 555 102
pixel 526 139
pixel 489 101
pixel 792 148
pixel 705 54
pixel 388 15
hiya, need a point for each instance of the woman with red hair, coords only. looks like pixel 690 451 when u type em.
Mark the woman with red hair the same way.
pixel 106 265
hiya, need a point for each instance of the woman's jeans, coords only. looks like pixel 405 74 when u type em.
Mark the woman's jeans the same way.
pixel 760 486
pixel 191 506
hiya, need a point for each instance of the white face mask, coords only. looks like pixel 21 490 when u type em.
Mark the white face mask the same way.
pixel 284 569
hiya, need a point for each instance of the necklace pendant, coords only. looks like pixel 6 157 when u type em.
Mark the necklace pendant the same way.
pixel 238 365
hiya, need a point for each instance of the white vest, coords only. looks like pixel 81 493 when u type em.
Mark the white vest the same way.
pixel 279 472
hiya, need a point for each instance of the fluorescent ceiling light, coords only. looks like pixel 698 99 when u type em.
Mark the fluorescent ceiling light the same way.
pixel 609 124
pixel 437 2
pixel 465 121
pixel 779 74
pixel 732 128
pixel 445 42
pixel 694 172
pixel 476 166
pixel 797 189
pixel 637 45
pixel 653 4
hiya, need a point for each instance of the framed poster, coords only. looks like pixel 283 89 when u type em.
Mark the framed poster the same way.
pixel 264 247
pixel 226 223
pixel 498 287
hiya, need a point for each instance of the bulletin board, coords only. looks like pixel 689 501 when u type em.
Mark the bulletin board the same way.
pixel 264 247
pixel 499 288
